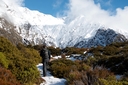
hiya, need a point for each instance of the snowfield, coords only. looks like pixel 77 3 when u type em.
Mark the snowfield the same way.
pixel 50 80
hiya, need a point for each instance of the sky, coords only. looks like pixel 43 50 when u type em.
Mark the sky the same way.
pixel 58 7
pixel 111 13
pixel 52 7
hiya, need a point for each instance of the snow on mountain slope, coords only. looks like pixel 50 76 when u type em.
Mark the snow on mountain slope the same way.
pixel 21 15
pixel 31 25
pixel 36 28
pixel 102 37
pixel 75 32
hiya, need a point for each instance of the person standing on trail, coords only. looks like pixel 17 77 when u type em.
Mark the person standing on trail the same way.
pixel 45 54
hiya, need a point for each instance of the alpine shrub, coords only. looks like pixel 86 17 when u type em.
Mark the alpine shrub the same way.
pixel 3 60
pixel 7 78
pixel 21 65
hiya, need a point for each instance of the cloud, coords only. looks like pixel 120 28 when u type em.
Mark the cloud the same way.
pixel 14 2
pixel 103 2
pixel 11 4
pixel 93 12
pixel 57 3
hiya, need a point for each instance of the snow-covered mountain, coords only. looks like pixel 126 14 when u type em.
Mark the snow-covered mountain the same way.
pixel 36 28
pixel 103 37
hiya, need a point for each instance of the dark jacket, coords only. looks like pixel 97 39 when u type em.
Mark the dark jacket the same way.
pixel 45 54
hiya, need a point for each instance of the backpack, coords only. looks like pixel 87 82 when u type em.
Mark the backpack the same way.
pixel 45 54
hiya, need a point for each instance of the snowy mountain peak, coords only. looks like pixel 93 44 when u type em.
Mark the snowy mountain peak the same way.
pixel 36 28
pixel 20 15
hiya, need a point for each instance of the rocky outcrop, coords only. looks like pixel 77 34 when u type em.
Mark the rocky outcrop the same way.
pixel 8 30
pixel 102 37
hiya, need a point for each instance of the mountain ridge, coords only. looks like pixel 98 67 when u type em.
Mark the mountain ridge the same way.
pixel 102 37
pixel 38 28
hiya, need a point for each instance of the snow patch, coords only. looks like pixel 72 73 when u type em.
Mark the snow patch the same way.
pixel 50 80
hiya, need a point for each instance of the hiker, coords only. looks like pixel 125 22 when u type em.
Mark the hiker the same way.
pixel 45 54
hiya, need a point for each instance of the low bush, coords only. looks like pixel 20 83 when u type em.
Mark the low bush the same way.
pixel 21 62
pixel 74 50
pixel 3 60
pixel 73 76
pixel 55 51
pixel 26 71
pixel 29 53
pixel 125 77
pixel 7 78
pixel 101 72
pixel 111 82
pixel 90 76
pixel 61 67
